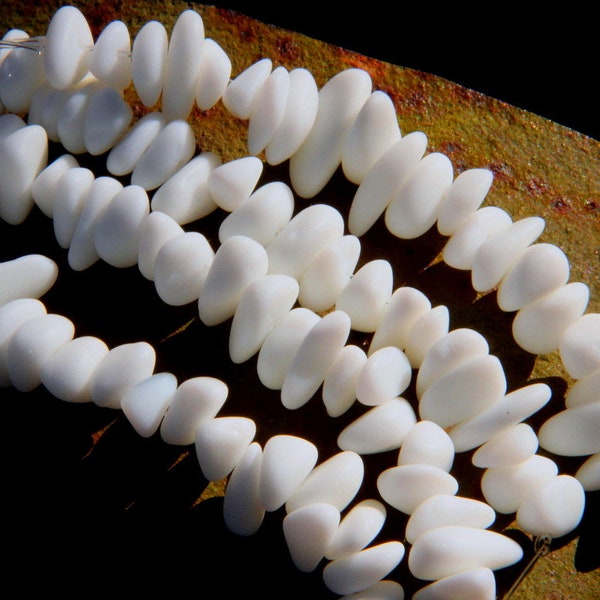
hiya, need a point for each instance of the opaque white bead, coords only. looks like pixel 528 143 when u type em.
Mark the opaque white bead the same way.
pixel 232 183
pixel 511 446
pixel 29 276
pixel 213 75
pixel 44 185
pixel 579 346
pixel 427 443
pixel 241 91
pixel 475 584
pixel 386 589
pixel 149 61
pixel 110 60
pixel 583 391
pixel 588 473
pixel 425 331
pixel 339 385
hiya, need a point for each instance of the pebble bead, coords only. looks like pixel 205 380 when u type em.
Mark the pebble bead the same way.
pixel 339 385
pixel 110 60
pixel 588 473
pixel 149 62
pixel 579 346
pixel 426 330
pixel 583 391
pixel 29 276
pixel 427 443
pixel 476 584
pixel 232 183
pixel 44 184
pixel 213 76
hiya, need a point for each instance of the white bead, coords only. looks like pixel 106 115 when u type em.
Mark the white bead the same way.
pixel 262 216
pixel 340 100
pixel 298 117
pixel 373 132
pixel 308 531
pixel 363 569
pixel 237 263
pixel 427 444
pixel 385 589
pixel 510 446
pixel 262 305
pixel 240 93
pixel 287 461
pixel 44 185
pixel 68 373
pixel 29 276
pixel 339 385
pixel 588 473
pixel 554 508
pixel 221 443
pixel 118 228
pixel 583 391
pixel 232 183
pixel 314 359
pixel 476 584
pixel 195 400
pixel 110 59
pixel 426 330
pixel 149 61
pixel 448 509
pixel 9 123
pixel 383 181
pixel 463 198
pixel 181 268
pixel 12 35
pixel 213 75
pixel 380 429
pixel 357 529
pixel 121 368
pixel 335 481
pixel 366 295
pixel 32 344
pixel 145 403
pixel 579 346
pixel 281 345
pixel 414 209
pixel 47 105
pixel 451 549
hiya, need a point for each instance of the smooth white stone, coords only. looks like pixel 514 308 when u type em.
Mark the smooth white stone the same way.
pixel 149 61
pixel 451 549
pixel 67 47
pixel 335 481
pixel 157 229
pixel 262 216
pixel 383 181
pixel 374 131
pixel 516 406
pixel 146 403
pixel 172 148
pixel 363 569
pixel 504 488
pixel 379 429
pixel 428 328
pixel 328 273
pixel 540 270
pixel 405 487
pixel 427 444
pixel 497 254
pixel 221 443
pixel 23 155
pixel 82 249
pixel 405 307
pixel 298 117
pixel 554 508
pixel 448 509
pixel 476 584
pixel 357 529
pixel 117 235
pixel 121 368
pixel 367 294
pixel 70 197
pixel 262 305
pixel 448 353
pixel 579 346
pixel 386 374
pixel 573 431
pixel 12 35
pixel 464 392
pixel 385 589
pixel 47 105
pixel 241 91
pixel 196 400
pixel 303 238
pixel 12 315
pixel 281 344
pixel 308 531
pixel 68 373
pixel 510 446
pixel 44 185
pixel 9 123
pixel 268 108
pixel 184 58
pixel 414 209
pixel 339 385
pixel 237 263
pixel 110 60
pixel 32 344
pixel 232 183
pixel 213 75
pixel 37 107
pixel 463 198
pixel 287 461
pixel 487 221
pixel 181 268
pixel 243 511
pixel 583 391
pixel 340 100
pixel 588 473
pixel 314 358
pixel 28 276
pixel 106 121
pixel 124 156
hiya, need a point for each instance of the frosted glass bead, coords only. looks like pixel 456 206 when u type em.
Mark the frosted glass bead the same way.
pixel 232 183
pixel 425 331
pixel 44 185
pixel 476 584
pixel 149 61
pixel 508 447
pixel 588 473
pixel 583 391
pixel 339 385
pixel 385 589
pixel 213 76
pixel 427 443
pixel 110 60
pixel 340 100
pixel 29 276
pixel 241 91
pixel 579 346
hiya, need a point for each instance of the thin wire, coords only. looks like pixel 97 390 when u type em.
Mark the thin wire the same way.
pixel 31 43
pixel 541 546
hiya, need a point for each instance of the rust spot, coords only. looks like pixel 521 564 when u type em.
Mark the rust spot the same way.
pixel 537 186
pixel 562 205
pixel 501 170
pixel 287 48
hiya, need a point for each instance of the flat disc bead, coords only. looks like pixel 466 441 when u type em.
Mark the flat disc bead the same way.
pixel 46 107
pixel 588 473
pixel 241 91
pixel 29 276
pixel 149 61
pixel 579 346
pixel 339 385
pixel 427 443
pixel 583 391
pixel 232 183
pixel 426 330
pixel 110 60
pixel 213 76
pixel 43 186
pixel 508 447
pixel 476 584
